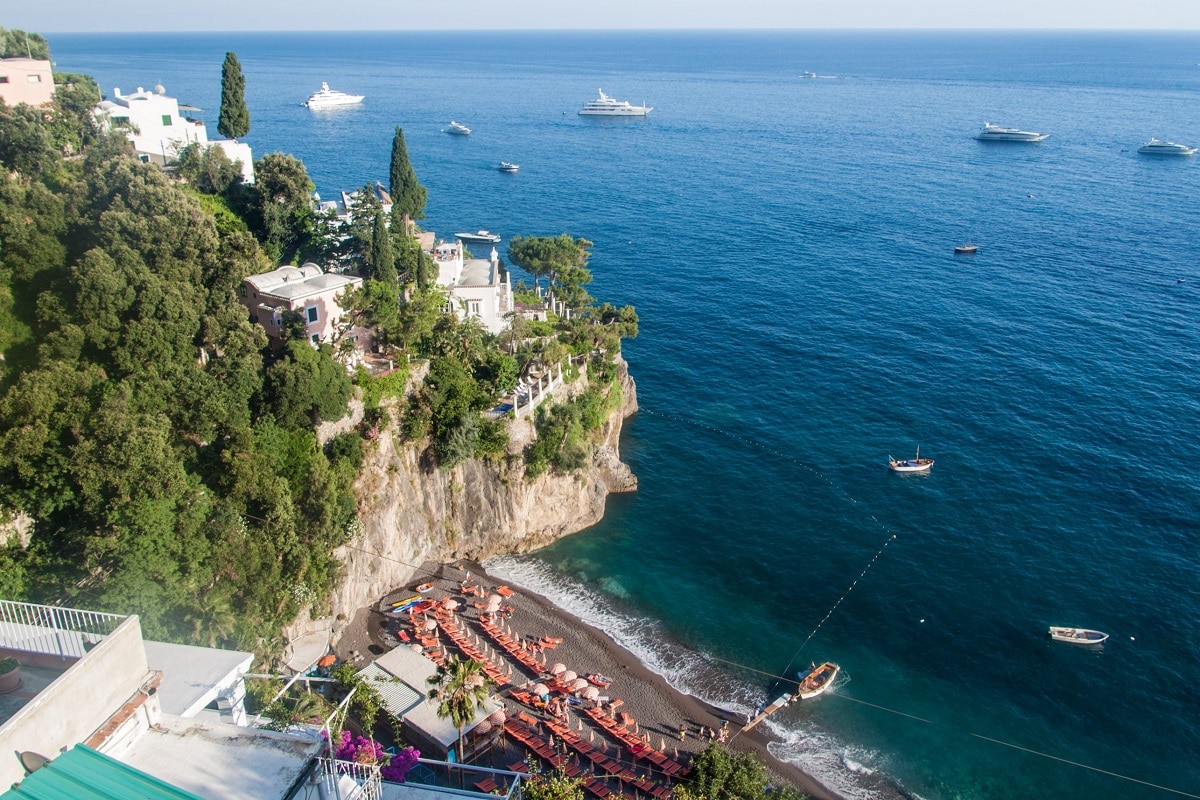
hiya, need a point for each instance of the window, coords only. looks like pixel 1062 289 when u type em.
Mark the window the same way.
pixel 167 119
pixel 3 79
pixel 312 313
pixel 475 308
pixel 242 290
pixel 34 78
pixel 316 338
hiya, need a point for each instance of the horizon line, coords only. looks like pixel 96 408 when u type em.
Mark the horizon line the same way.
pixel 947 29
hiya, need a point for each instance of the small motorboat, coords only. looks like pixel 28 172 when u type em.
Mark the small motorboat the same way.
pixel 965 249
pixel 458 129
pixel 818 680
pixel 424 587
pixel 1077 635
pixel 596 679
pixel 479 237
pixel 916 464
pixel 507 167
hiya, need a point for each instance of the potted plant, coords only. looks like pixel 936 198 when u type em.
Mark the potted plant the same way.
pixel 10 674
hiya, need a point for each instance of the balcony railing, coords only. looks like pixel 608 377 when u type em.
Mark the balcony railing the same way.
pixel 466 780
pixel 348 780
pixel 63 632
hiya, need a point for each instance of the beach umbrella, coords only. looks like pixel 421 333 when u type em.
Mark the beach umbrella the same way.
pixel 577 684
pixel 430 624
pixel 498 716
pixel 558 669
pixel 676 753
pixel 567 676
pixel 662 744
pixel 540 689
pixel 495 600
pixel 591 693
pixel 482 728
pixel 591 736
pixel 579 724
pixel 416 648
pixel 449 604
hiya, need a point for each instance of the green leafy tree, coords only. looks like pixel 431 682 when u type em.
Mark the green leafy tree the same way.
pixel 408 195
pixel 552 256
pixel 460 688
pixel 234 119
pixel 16 43
pixel 281 203
pixel 556 785
pixel 306 386
pixel 720 774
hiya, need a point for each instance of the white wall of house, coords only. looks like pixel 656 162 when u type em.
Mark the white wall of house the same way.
pixel 26 80
pixel 156 128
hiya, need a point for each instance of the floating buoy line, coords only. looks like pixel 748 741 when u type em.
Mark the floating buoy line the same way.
pixel 891 537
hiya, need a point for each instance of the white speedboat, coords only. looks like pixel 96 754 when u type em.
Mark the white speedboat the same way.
pixel 1157 147
pixel 507 167
pixel 965 249
pixel 331 98
pixel 1077 635
pixel 916 464
pixel 605 106
pixel 994 133
pixel 818 680
pixel 479 237
pixel 457 129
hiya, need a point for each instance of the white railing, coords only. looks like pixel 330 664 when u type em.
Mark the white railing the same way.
pixel 63 632
pixel 464 779
pixel 348 780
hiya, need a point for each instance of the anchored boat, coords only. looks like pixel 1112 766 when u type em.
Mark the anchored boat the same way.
pixel 916 464
pixel 1077 635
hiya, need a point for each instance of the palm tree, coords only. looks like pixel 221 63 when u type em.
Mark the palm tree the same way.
pixel 460 687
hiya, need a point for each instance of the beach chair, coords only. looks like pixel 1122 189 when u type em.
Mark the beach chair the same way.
pixel 487 785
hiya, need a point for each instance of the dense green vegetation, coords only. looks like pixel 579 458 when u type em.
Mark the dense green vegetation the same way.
pixel 721 774
pixel 166 456
pixel 19 44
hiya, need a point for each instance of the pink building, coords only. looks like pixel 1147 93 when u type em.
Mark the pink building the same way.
pixel 306 289
pixel 26 80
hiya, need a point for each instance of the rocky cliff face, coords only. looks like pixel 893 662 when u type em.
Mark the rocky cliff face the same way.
pixel 412 512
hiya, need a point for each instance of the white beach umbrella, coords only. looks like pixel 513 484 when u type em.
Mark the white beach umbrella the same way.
pixel 540 689
pixel 591 693
pixel 498 716
pixel 567 676
pixel 577 684
pixel 430 625
pixel 449 604
pixel 416 648
pixel 558 669
pixel 495 599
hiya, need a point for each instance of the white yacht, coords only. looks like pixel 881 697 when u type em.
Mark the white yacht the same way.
pixel 458 129
pixel 506 166
pixel 331 98
pixel 605 106
pixel 1157 147
pixel 994 133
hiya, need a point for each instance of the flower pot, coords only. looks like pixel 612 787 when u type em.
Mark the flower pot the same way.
pixel 10 681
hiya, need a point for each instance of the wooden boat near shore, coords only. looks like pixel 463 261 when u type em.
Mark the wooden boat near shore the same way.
pixel 816 682
pixel 1077 635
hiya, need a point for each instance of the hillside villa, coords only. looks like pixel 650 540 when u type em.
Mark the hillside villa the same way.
pixel 26 80
pixel 307 289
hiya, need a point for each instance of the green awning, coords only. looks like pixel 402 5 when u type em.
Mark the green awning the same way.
pixel 82 773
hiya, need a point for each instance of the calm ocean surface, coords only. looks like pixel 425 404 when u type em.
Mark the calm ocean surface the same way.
pixel 787 242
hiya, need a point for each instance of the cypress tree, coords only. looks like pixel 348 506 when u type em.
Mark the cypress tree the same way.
pixel 235 117
pixel 383 263
pixel 408 196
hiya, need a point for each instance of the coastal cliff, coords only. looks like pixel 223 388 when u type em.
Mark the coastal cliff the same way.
pixel 412 513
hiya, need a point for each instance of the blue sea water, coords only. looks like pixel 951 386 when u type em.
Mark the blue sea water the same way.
pixel 787 242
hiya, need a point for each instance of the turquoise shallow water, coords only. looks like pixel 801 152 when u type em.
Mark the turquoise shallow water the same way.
pixel 787 241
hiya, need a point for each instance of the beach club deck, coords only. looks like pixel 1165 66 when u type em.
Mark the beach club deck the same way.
pixel 561 721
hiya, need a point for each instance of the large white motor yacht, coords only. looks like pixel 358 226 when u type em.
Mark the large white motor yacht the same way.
pixel 1157 147
pixel 331 98
pixel 458 129
pixel 994 133
pixel 605 106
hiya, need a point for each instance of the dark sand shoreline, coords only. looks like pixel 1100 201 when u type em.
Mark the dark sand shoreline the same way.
pixel 660 708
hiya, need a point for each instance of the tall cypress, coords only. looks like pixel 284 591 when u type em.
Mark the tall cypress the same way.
pixel 408 195
pixel 383 263
pixel 235 117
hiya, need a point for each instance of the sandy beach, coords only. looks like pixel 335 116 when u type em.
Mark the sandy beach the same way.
pixel 659 709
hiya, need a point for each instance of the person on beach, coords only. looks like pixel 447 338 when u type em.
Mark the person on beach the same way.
pixel 682 733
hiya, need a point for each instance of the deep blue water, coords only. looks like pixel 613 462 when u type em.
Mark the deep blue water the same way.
pixel 787 242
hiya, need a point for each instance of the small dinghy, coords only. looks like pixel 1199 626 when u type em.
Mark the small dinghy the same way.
pixel 1077 635
pixel 818 680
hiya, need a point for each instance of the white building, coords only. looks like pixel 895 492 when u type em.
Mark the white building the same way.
pixel 26 80
pixel 153 123
pixel 476 287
